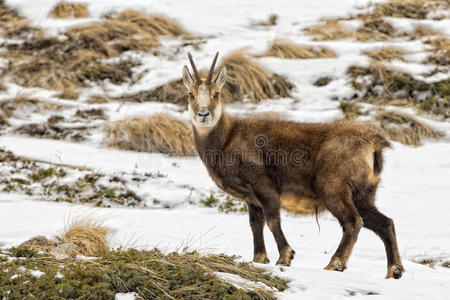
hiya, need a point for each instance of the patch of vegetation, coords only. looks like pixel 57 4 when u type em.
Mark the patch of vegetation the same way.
pixel 404 128
pixel 385 54
pixel 437 106
pixel 87 190
pixel 91 114
pixel 210 201
pixel 53 131
pixel 150 274
pixel 240 67
pixel 63 10
pixel 44 173
pixel 412 9
pixel 272 20
pixel 330 30
pixel 286 49
pixel 231 205
pixel 375 29
pixel 80 56
pixel 351 110
pixel 381 84
pixel 322 81
pixel 33 178
pixel 158 133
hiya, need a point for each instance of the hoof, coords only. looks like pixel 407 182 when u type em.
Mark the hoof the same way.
pixel 336 265
pixel 261 258
pixel 286 257
pixel 395 271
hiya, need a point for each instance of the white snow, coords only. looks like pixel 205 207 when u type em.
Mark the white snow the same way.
pixel 415 182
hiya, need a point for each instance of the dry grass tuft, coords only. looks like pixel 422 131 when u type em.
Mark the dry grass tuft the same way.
pixel 83 236
pixel 97 99
pixel 374 28
pixel 14 26
pixel 158 133
pixel 69 94
pixel 424 31
pixel 285 49
pixel 413 9
pixel 386 53
pixel 245 77
pixel 441 52
pixel 331 30
pixel 64 10
pixel 87 235
pixel 404 128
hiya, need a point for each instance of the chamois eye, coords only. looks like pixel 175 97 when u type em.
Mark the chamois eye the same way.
pixel 191 96
pixel 216 95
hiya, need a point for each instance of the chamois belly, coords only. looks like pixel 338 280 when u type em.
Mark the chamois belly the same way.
pixel 300 205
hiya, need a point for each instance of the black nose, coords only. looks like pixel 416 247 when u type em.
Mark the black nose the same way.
pixel 203 113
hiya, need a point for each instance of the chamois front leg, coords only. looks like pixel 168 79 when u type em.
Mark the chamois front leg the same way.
pixel 270 202
pixel 256 217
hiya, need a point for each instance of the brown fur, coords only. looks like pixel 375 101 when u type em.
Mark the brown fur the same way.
pixel 267 163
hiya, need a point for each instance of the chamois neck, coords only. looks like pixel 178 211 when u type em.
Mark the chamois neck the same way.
pixel 213 138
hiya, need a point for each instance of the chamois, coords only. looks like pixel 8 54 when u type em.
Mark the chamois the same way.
pixel 307 168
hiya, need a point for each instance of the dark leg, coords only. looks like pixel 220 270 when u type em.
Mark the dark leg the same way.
pixel 384 228
pixel 342 207
pixel 270 202
pixel 256 217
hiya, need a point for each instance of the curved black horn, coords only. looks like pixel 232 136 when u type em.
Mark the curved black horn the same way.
pixel 194 68
pixel 211 70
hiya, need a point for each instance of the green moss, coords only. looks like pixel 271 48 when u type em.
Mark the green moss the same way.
pixel 232 205
pixel 210 201
pixel 150 274
pixel 378 82
pixel 44 173
pixel 437 106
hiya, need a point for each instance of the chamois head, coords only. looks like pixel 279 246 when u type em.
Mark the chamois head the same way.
pixel 205 106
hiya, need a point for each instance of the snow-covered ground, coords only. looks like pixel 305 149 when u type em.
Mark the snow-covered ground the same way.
pixel 415 184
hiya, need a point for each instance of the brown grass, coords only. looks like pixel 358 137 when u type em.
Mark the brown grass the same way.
pixel 15 26
pixel 374 28
pixel 424 31
pixel 404 128
pixel 64 10
pixel 285 49
pixel 245 77
pixel 66 65
pixel 413 9
pixel 87 234
pixel 158 133
pixel 97 99
pixel 83 236
pixel 386 53
pixel 69 94
pixel 331 30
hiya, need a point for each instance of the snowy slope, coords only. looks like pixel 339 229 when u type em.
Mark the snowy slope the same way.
pixel 414 190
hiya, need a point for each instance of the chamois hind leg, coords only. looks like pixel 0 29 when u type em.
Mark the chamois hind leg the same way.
pixel 340 204
pixel 256 218
pixel 270 203
pixel 384 228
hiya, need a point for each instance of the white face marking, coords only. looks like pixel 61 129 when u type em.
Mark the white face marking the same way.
pixel 203 96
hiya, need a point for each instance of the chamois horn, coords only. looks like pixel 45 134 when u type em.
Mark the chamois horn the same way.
pixel 194 68
pixel 211 70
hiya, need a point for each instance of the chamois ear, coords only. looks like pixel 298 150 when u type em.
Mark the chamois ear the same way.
pixel 187 78
pixel 221 77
